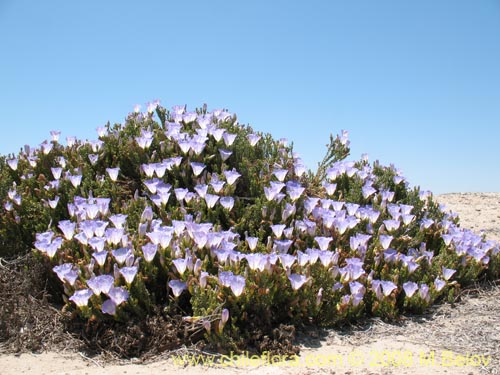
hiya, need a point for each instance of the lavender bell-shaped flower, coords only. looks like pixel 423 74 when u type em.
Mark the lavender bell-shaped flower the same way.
pixel 297 280
pixel 100 257
pixel 129 273
pixel 118 295
pixel 177 287
pixel 231 176
pixel 227 202
pixel 197 168
pixel 109 307
pixel 237 285
pixel 149 251
pixel 410 288
pixel 113 173
pixel 81 297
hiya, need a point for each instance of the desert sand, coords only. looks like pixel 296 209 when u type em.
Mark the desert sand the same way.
pixel 463 338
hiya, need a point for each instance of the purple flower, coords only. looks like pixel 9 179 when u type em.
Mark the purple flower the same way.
pixel 424 292
pixel 368 191
pixel 177 287
pixel 180 265
pixel 391 225
pixel 323 242
pixel 287 260
pixel 75 180
pixel 280 174
pixel 252 242
pixel 253 139
pixel 297 280
pixel 439 284
pixel 237 284
pixel 180 193
pixel 66 272
pixel 149 251
pixel 278 229
pixel 294 190
pixel 121 255
pixel 108 307
pixel 56 172
pixel 118 220
pixel 100 257
pixel 256 261
pixel 68 228
pixel 129 273
pixel 231 176
pixel 410 288
pixel 81 297
pixel 227 203
pixel 201 190
pixel 118 295
pixel 148 169
pixel 447 273
pixel 228 138
pixel 387 287
pixel 197 168
pixel 211 200
pixel 113 173
pixel 101 284
pixel 12 164
pixel 225 154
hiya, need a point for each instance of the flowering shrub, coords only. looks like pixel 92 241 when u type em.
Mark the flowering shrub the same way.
pixel 194 213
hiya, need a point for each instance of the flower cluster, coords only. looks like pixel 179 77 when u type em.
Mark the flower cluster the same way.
pixel 193 211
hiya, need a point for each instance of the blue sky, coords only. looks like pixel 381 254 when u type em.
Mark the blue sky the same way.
pixel 416 83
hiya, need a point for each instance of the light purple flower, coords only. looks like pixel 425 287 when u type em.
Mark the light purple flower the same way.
pixel 75 180
pixel 392 225
pixel 177 287
pixel 121 255
pixel 231 176
pixel 201 190
pixel 278 229
pixel 68 228
pixel 280 174
pixel 385 241
pixel 410 288
pixel 439 284
pixel 253 139
pixel 225 154
pixel 229 138
pixel 237 284
pixel 424 292
pixel 101 284
pixel 113 173
pixel 148 169
pixel 287 260
pixel 211 200
pixel 297 280
pixel 447 273
pixel 66 272
pixel 323 242
pixel 180 265
pixel 100 257
pixel 56 172
pixel 108 307
pixel 118 220
pixel 197 168
pixel 149 251
pixel 180 193
pixel 227 202
pixel 129 273
pixel 252 242
pixel 81 297
pixel 294 190
pixel 118 295
pixel 12 163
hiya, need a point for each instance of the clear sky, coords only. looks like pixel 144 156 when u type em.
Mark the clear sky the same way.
pixel 416 83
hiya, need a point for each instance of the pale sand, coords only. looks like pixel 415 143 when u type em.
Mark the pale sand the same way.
pixel 362 351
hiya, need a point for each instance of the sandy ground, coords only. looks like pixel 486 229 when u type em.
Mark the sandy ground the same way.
pixel 459 339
